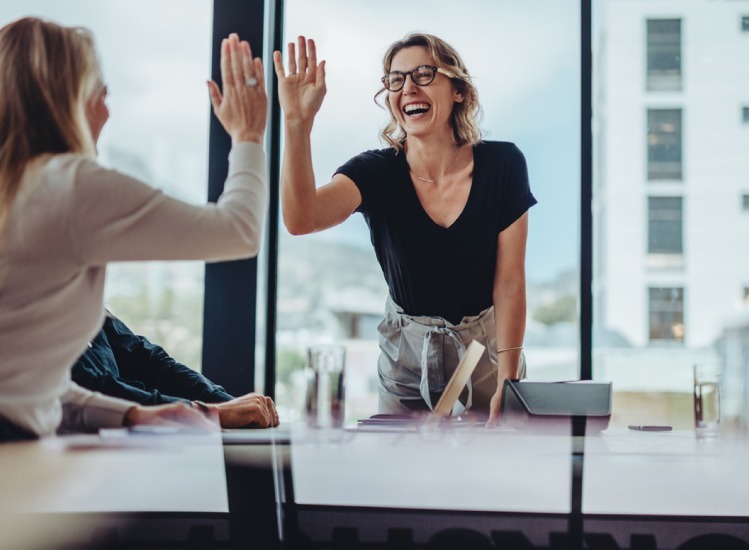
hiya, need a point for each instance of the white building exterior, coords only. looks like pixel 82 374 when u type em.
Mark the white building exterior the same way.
pixel 707 250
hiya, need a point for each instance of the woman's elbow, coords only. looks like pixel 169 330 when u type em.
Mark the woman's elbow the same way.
pixel 297 227
pixel 249 237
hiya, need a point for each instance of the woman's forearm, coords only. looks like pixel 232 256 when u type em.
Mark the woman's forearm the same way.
pixel 509 313
pixel 298 191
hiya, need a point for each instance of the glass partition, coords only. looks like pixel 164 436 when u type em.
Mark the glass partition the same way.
pixel 156 59
pixel 670 269
pixel 525 62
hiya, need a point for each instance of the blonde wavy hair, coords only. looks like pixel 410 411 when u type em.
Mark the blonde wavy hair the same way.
pixel 465 116
pixel 47 75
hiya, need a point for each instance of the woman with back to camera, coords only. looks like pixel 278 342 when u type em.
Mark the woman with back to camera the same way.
pixel 447 214
pixel 63 217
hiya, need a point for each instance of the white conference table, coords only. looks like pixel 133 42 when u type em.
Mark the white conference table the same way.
pixel 382 483
pixel 666 474
pixel 47 484
pixel 667 484
pixel 455 469
pixel 632 483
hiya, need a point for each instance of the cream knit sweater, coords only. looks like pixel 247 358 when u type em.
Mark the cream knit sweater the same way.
pixel 69 220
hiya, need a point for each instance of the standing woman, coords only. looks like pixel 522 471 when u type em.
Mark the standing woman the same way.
pixel 63 217
pixel 447 214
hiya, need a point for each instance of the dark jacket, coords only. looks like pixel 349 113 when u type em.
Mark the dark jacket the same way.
pixel 122 364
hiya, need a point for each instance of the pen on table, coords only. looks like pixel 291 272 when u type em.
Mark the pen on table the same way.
pixel 645 428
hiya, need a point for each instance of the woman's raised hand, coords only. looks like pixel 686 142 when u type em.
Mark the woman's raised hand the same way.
pixel 242 105
pixel 302 89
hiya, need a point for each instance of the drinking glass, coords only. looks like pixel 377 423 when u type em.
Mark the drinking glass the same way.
pixel 707 400
pixel 324 403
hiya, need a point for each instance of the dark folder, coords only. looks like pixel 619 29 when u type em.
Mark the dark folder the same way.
pixel 552 406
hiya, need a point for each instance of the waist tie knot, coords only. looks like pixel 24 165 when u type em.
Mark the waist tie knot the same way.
pixel 429 355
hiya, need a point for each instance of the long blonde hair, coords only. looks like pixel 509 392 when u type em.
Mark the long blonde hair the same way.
pixel 47 74
pixel 465 116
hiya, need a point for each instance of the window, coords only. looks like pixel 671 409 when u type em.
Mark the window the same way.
pixel 745 115
pixel 666 314
pixel 663 54
pixel 665 225
pixel 330 286
pixel 664 144
pixel 746 294
pixel 745 23
pixel 745 202
pixel 666 275
pixel 158 132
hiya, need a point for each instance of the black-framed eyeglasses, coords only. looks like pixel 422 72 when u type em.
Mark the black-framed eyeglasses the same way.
pixel 423 75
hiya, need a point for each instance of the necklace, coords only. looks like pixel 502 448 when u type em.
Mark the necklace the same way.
pixel 457 154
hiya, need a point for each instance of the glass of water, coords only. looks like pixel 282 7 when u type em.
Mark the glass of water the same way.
pixel 707 400
pixel 325 369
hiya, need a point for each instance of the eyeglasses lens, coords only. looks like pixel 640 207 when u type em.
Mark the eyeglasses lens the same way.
pixel 394 81
pixel 421 76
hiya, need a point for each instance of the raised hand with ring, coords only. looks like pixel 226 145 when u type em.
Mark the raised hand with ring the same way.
pixel 242 113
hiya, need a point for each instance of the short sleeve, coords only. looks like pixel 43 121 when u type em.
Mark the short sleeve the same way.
pixel 516 196
pixel 366 170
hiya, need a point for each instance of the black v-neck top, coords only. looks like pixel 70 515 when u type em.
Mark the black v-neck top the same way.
pixel 433 270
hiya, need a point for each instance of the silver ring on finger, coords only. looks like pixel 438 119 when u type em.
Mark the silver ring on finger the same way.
pixel 250 81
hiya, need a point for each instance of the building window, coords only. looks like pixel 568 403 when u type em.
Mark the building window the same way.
pixel 664 54
pixel 665 225
pixel 746 294
pixel 745 202
pixel 666 314
pixel 745 23
pixel 745 115
pixel 664 144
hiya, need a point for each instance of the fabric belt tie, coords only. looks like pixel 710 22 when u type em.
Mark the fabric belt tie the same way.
pixel 428 351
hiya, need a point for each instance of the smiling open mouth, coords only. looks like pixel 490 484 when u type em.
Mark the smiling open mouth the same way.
pixel 415 109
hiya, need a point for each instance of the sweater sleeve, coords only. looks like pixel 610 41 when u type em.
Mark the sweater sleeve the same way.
pixel 114 217
pixel 87 411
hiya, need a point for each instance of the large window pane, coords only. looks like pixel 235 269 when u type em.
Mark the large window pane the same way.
pixel 669 275
pixel 664 144
pixel 665 225
pixel 664 54
pixel 525 61
pixel 158 132
pixel 666 314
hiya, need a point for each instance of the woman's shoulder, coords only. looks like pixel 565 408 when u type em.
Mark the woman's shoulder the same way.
pixel 369 162
pixel 52 173
pixel 376 155
pixel 63 168
pixel 499 155
pixel 502 148
pixel 61 161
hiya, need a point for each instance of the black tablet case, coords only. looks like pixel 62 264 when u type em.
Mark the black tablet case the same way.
pixel 552 406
